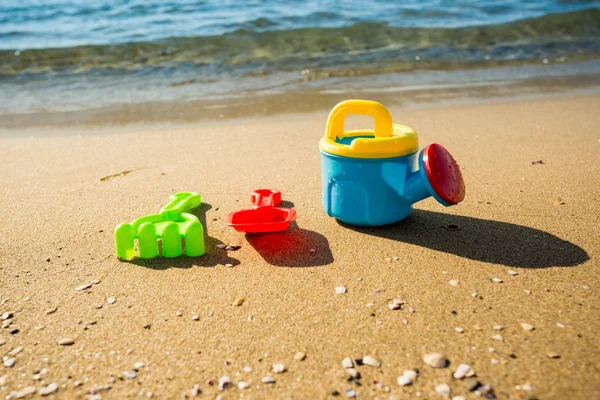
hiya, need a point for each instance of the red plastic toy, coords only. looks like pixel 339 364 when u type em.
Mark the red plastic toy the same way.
pixel 264 216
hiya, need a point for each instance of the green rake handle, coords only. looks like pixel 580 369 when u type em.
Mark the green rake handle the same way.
pixel 180 202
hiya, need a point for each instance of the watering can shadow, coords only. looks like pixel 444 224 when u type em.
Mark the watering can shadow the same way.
pixel 210 259
pixel 481 240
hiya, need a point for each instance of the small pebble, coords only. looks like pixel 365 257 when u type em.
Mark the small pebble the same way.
pixel 195 391
pixel 497 280
pixel 494 361
pixel 83 287
pixel 347 362
pixel 224 382
pixel 350 393
pixel 491 349
pixel 471 384
pixel 3 380
pixel 111 300
pixel 340 290
pixel 247 369
pixel 98 306
pixel 15 351
pixel 7 315
pixel 51 310
pixel 436 360
pixel 268 380
pixel 560 325
pixel 484 390
pixel 443 390
pixel 513 273
pixel 129 374
pixel 463 371
pixel 21 393
pixel 368 360
pixel 475 295
pixel 459 330
pixel 243 385
pixel 195 318
pixel 278 368
pixel 404 380
pixel 553 355
pixel 527 327
pixel 393 306
pixel 526 387
pixel 498 337
pixel 586 287
pixel 221 245
pixel 459 398
pixel 299 356
pixel 453 282
pixel 354 374
pixel 411 373
pixel 10 362
pixel 411 310
pixel 95 281
pixel 46 390
pixel 238 302
pixel 66 341
pixel 229 265
pixel 233 248
pixel 527 291
pixel 138 365
pixel 498 327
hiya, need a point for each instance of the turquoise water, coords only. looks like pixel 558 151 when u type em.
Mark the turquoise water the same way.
pixel 61 55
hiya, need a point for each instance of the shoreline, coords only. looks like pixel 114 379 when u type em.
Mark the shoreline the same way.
pixel 422 89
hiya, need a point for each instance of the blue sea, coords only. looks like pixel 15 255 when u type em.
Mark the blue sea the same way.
pixel 65 56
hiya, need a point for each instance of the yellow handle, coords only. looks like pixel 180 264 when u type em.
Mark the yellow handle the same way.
pixel 337 116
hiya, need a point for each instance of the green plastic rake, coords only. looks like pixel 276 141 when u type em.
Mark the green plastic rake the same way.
pixel 170 226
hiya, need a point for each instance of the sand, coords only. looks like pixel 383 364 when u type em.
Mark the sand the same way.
pixel 540 220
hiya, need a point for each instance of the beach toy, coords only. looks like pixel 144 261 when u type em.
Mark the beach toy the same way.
pixel 264 216
pixel 170 226
pixel 370 177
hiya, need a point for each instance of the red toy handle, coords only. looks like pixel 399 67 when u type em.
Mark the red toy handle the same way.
pixel 265 198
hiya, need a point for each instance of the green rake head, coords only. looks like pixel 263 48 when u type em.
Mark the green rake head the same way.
pixel 170 226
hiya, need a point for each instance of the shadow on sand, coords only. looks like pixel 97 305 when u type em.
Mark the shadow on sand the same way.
pixel 480 239
pixel 210 259
pixel 295 247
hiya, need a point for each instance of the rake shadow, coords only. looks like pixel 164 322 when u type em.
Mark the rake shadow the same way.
pixel 295 247
pixel 210 258
pixel 482 240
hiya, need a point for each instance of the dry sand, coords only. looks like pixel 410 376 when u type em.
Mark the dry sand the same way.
pixel 540 220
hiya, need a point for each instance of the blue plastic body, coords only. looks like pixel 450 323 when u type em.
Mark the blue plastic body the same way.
pixel 372 191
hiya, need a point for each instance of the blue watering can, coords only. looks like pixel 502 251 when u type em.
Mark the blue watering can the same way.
pixel 370 177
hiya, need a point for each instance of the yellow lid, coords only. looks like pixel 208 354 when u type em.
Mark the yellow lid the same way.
pixel 387 140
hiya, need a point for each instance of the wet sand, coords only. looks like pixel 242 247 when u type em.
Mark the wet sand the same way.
pixel 539 219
